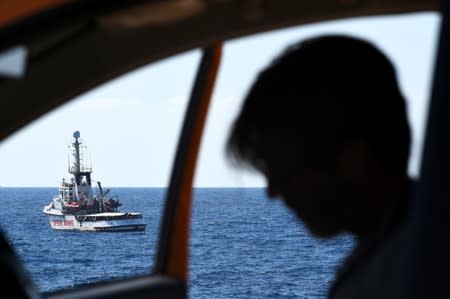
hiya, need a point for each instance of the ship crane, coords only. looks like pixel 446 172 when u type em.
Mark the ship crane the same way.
pixel 99 186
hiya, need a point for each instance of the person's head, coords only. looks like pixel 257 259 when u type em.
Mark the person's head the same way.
pixel 323 123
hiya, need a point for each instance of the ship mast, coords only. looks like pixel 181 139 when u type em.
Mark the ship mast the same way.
pixel 78 170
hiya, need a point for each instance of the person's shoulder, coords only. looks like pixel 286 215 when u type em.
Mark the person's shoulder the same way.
pixel 378 275
pixel 375 269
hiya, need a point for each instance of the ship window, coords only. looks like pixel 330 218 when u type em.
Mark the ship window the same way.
pixel 128 131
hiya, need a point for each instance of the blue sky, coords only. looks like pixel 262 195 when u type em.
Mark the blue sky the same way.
pixel 131 125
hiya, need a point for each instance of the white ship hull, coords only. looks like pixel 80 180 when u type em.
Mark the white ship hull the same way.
pixel 99 222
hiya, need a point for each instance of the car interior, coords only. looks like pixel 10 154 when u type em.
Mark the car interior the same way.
pixel 61 49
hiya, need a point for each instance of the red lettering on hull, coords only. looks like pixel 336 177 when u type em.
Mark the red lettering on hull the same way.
pixel 62 222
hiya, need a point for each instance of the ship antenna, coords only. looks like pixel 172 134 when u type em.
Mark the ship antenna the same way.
pixel 76 145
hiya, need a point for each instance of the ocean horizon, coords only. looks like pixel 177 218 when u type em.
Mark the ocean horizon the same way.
pixel 242 244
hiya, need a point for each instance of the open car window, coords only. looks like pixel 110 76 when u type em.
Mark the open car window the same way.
pixel 258 243
pixel 127 132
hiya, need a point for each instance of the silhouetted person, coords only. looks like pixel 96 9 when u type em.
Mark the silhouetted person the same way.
pixel 326 124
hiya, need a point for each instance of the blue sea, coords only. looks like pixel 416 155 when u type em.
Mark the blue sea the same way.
pixel 243 245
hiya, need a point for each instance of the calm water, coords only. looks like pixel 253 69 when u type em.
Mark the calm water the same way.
pixel 242 245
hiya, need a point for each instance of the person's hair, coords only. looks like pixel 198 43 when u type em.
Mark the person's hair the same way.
pixel 340 83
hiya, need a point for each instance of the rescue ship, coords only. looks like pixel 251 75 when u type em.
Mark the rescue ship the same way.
pixel 76 208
